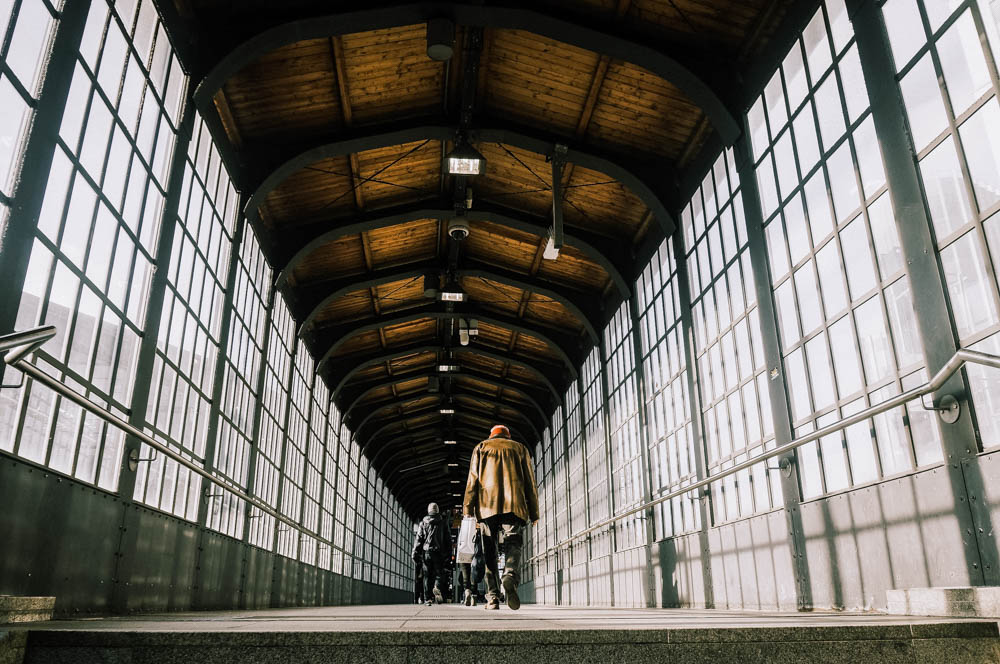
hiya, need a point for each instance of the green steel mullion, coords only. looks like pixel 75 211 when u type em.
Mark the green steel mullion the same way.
pixel 929 291
pixel 697 441
pixel 584 464
pixel 780 410
pixel 305 470
pixel 284 439
pixel 127 552
pixel 40 144
pixel 218 382
pixel 258 414
pixel 564 434
pixel 644 434
pixel 602 378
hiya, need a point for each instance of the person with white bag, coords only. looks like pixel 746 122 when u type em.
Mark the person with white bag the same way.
pixel 501 494
pixel 469 557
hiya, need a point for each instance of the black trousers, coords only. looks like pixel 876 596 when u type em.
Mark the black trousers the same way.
pixel 418 582
pixel 502 535
pixel 433 574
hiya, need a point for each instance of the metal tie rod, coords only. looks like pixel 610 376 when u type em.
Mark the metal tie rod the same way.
pixel 957 361
pixel 19 345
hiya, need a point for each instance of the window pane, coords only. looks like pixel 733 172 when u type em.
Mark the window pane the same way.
pixel 887 248
pixel 857 254
pixel 819 372
pixel 876 353
pixel 902 320
pixel 820 216
pixel 807 145
pixel 817 47
pixel 845 357
pixel 963 64
pixel 14 115
pixel 971 297
pixel 809 303
pixel 945 188
pixel 855 92
pixel 869 157
pixel 905 28
pixel 924 106
pixel 843 182
pixel 831 112
pixel 795 76
pixel 831 279
pixel 28 45
pixel 981 140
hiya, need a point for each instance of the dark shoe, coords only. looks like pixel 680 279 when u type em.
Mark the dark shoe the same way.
pixel 428 603
pixel 492 605
pixel 438 597
pixel 470 599
pixel 510 589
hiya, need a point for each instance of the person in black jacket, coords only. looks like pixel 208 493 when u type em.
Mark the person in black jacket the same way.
pixel 432 547
pixel 418 574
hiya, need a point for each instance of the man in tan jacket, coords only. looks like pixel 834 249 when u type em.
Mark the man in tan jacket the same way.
pixel 500 493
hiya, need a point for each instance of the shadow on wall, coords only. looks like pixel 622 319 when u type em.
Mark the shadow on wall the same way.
pixel 667 557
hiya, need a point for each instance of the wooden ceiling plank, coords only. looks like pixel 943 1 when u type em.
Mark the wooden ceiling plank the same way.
pixel 344 88
pixel 228 120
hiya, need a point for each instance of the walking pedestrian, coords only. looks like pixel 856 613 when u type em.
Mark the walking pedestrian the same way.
pixel 418 572
pixel 472 572
pixel 500 493
pixel 432 547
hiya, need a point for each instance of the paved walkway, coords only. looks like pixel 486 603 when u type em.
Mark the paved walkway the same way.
pixel 451 617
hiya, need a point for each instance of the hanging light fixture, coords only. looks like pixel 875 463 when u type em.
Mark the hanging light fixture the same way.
pixel 465 159
pixel 452 293
pixel 440 39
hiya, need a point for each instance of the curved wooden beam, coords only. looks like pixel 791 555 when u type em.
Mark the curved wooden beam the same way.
pixel 575 302
pixel 642 175
pixel 609 254
pixel 355 398
pixel 682 65
pixel 476 413
pixel 347 367
pixel 334 337
pixel 364 415
pixel 360 433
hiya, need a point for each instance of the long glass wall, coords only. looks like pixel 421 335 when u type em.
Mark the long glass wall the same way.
pixel 26 31
pixel 845 310
pixel 845 323
pixel 945 58
pixel 229 388
pixel 668 400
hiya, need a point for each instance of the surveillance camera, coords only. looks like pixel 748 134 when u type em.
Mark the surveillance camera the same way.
pixel 458 229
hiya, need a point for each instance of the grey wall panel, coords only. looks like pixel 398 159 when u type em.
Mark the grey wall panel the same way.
pixel 631 579
pixel 59 538
pixel 161 575
pixel 599 581
pixel 257 579
pixel 324 588
pixel 284 582
pixel 986 470
pixel 578 585
pixel 678 576
pixel 346 588
pixel 899 534
pixel 776 562
pixel 309 586
pixel 221 565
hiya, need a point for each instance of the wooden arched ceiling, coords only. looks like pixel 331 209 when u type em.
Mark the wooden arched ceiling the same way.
pixel 335 123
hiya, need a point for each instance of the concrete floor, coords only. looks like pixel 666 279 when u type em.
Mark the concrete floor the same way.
pixel 451 617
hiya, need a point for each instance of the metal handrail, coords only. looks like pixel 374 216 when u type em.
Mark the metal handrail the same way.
pixel 17 346
pixel 957 361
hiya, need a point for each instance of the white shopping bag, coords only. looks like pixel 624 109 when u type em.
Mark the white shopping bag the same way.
pixel 466 540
